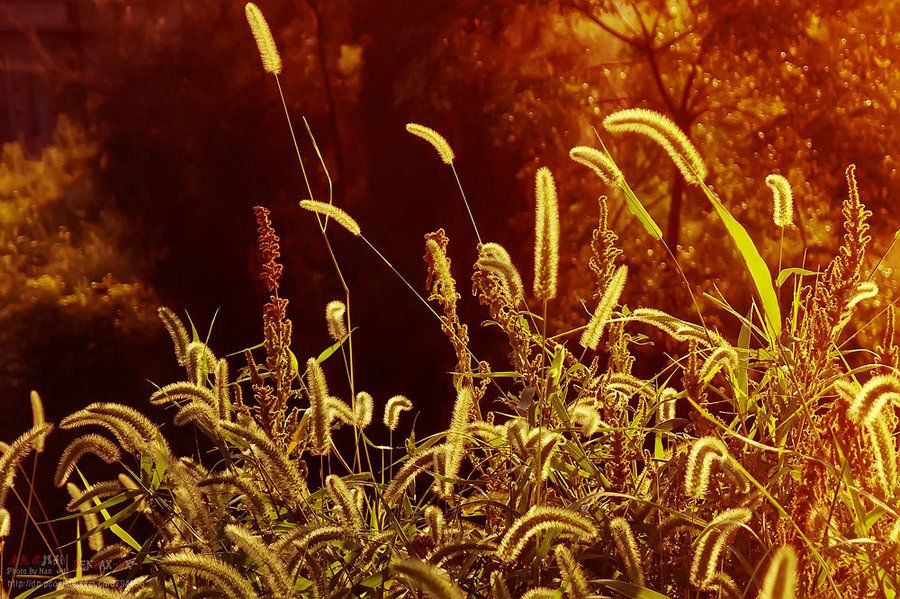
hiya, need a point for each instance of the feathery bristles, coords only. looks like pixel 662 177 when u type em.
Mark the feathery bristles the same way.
pixel 338 410
pixel 363 409
pixel 274 572
pixel 392 410
pixel 781 576
pixel 222 397
pixel 274 462
pixel 80 589
pixel 17 451
pixel 493 258
pixel 318 408
pixel 664 132
pixel 91 521
pixel 871 399
pixel 588 418
pixel 608 302
pixel 627 549
pixel 499 590
pixel 417 575
pixel 224 576
pixel 5 523
pixel 573 578
pixel 864 291
pixel 37 418
pixel 894 534
pixel 335 318
pixel 720 358
pixel 268 51
pixel 453 549
pixel 183 391
pixel 538 519
pixel 198 361
pixel 456 436
pixel 435 139
pixel 179 334
pixel 546 236
pixel 712 543
pixel 332 211
pixel 884 449
pixel 541 593
pixel 704 453
pixel 340 495
pixel 543 444
pixel 667 402
pixel 783 211
pixel 434 518
pixel 413 467
pixel 598 162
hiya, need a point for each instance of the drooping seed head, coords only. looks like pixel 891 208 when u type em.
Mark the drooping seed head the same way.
pixel 872 398
pixel 608 302
pixel 599 162
pixel 392 410
pixel 662 130
pixel 332 211
pixel 335 318
pixel 780 581
pixel 435 139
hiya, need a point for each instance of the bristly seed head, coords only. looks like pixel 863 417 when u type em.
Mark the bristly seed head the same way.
pixel 435 139
pixel 783 213
pixel 546 235
pixel 268 51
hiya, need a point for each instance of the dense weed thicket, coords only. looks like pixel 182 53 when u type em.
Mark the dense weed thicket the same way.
pixel 762 466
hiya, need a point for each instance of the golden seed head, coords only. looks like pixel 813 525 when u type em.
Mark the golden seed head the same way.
pixel 332 211
pixel 268 51
pixel 783 213
pixel 435 139
pixel 598 162
pixel 664 132
pixel 546 236
pixel 335 313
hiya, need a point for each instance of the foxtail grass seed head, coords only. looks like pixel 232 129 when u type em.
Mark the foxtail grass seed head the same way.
pixel 435 139
pixel 223 575
pixel 363 409
pixel 392 410
pixel 665 409
pixel 332 211
pixel 318 406
pixel 335 318
pixel 783 209
pixel 608 302
pixel 627 549
pixel 93 443
pixel 441 266
pixel 588 418
pixel 546 234
pixel 456 436
pixel 268 51
pixel 711 544
pixel 872 398
pixel 37 418
pixel 599 162
pixel 884 449
pixel 494 258
pixel 662 130
pixel 536 520
pixel 541 593
pixel 340 494
pixel 499 590
pixel 780 581
pixel 417 575
pixel 574 581
pixel 4 523
pixel 273 570
pixel 721 358
pixel 704 453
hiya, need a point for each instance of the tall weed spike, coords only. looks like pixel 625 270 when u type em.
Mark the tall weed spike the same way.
pixel 268 51
pixel 37 419
pixel 546 236
pixel 318 407
pixel 363 409
pixel 336 319
pixel 783 199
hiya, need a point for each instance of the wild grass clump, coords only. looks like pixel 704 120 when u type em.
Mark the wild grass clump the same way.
pixel 762 466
